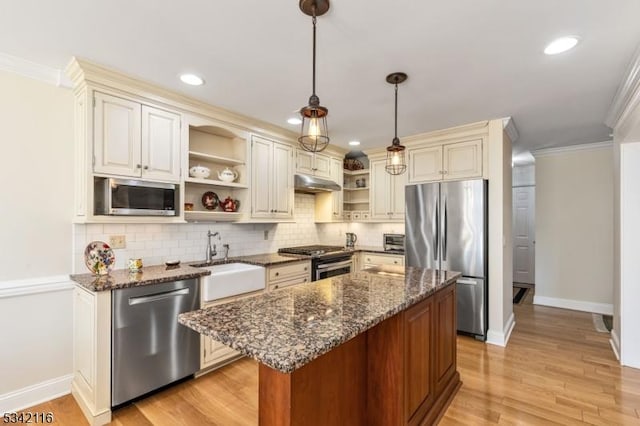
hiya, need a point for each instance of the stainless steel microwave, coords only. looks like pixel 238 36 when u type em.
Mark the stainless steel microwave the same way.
pixel 129 197
pixel 393 243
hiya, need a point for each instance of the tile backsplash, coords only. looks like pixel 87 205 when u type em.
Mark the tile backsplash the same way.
pixel 157 243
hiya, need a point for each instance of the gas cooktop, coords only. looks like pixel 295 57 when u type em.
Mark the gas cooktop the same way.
pixel 313 250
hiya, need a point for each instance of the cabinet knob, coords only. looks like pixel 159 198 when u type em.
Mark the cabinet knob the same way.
pixel 275 287
pixel 146 167
pixel 305 268
pixel 395 261
pixel 277 274
pixel 138 166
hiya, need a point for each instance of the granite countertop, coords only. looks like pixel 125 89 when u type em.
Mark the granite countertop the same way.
pixel 288 328
pixel 123 278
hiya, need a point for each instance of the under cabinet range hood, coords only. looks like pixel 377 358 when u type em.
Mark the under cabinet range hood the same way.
pixel 313 184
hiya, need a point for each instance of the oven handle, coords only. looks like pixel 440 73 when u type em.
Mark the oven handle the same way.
pixel 333 266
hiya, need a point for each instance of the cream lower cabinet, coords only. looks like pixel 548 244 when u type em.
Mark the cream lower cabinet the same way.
pixel 271 179
pixel 450 161
pixel 135 140
pixel 214 354
pixel 91 385
pixel 368 260
pixel 386 193
pixel 280 276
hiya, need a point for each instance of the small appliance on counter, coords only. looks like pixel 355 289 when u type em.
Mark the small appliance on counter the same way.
pixel 351 240
pixel 393 243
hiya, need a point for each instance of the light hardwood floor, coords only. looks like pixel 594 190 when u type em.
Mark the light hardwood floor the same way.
pixel 556 370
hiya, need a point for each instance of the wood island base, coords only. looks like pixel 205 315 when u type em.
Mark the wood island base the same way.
pixel 400 372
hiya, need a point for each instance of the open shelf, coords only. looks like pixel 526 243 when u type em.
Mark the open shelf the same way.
pixel 210 216
pixel 215 158
pixel 215 182
pixel 356 172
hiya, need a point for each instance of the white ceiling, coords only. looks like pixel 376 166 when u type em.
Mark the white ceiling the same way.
pixel 467 60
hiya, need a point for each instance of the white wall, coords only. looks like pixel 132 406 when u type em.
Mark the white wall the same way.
pixel 36 168
pixel 574 228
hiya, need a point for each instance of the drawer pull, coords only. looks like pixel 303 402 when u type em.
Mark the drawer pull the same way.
pixel 306 268
pixel 395 261
pixel 277 273
pixel 275 287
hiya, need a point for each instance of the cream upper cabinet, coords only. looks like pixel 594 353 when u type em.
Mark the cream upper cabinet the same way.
pixel 337 196
pixel 272 179
pixel 387 192
pixel 131 139
pixel 450 161
pixel 311 163
pixel 117 136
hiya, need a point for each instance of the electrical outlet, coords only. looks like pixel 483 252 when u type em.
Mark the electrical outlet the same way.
pixel 118 241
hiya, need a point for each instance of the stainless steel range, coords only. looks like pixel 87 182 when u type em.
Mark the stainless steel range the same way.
pixel 326 261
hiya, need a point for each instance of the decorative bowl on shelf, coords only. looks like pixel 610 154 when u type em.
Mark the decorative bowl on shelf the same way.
pixel 200 172
pixel 353 164
pixel 99 258
pixel 230 205
pixel 210 200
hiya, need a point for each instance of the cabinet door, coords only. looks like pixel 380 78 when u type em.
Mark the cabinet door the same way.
pixel 418 347
pixel 425 164
pixel 397 192
pixel 462 160
pixel 160 144
pixel 304 162
pixel 282 188
pixel 116 136
pixel 380 191
pixel 261 177
pixel 445 338
pixel 322 166
pixel 337 196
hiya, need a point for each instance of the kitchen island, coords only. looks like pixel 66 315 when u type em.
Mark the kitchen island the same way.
pixel 375 347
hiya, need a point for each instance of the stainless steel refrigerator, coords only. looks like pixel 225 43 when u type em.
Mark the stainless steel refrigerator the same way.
pixel 446 228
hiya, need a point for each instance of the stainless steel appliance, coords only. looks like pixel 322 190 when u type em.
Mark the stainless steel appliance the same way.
pixel 129 197
pixel 351 240
pixel 326 261
pixel 393 243
pixel 149 349
pixel 446 228
pixel 313 184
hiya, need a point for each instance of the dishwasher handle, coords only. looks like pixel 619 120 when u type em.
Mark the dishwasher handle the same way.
pixel 158 296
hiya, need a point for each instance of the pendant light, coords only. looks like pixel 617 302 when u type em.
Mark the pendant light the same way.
pixel 396 164
pixel 314 135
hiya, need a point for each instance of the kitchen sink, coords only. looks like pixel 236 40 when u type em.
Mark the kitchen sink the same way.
pixel 231 279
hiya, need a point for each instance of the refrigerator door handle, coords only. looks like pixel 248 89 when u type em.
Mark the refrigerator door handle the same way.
pixel 445 232
pixel 435 230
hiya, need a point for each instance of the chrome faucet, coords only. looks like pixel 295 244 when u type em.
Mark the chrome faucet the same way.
pixel 211 250
pixel 226 251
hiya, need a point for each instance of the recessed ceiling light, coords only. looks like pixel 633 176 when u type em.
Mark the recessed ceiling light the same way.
pixel 191 79
pixel 561 44
pixel 354 143
pixel 294 120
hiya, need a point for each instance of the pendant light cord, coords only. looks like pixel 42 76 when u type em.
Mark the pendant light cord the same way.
pixel 395 139
pixel 313 8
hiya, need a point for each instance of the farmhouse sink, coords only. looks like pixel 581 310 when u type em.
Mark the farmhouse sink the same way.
pixel 231 279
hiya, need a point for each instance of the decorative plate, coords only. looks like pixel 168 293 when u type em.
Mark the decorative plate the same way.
pixel 99 258
pixel 210 200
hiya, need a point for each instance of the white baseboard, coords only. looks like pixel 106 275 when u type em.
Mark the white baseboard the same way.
pixel 501 338
pixel 615 343
pixel 26 287
pixel 574 305
pixel 35 394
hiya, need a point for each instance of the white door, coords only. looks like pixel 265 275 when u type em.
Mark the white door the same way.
pixel 524 234
pixel 116 136
pixel 160 144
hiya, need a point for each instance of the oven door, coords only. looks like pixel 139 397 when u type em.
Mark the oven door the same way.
pixel 331 269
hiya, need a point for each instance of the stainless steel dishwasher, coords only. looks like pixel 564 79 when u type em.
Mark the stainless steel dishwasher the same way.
pixel 149 349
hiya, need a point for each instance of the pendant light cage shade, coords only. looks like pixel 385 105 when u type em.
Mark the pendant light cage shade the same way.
pixel 396 162
pixel 314 134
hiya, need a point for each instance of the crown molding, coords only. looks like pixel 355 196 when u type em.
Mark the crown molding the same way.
pixel 628 95
pixel 34 70
pixel 547 152
pixel 510 129
pixel 84 73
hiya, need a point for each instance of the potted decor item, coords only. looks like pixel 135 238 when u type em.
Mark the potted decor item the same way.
pixel 228 175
